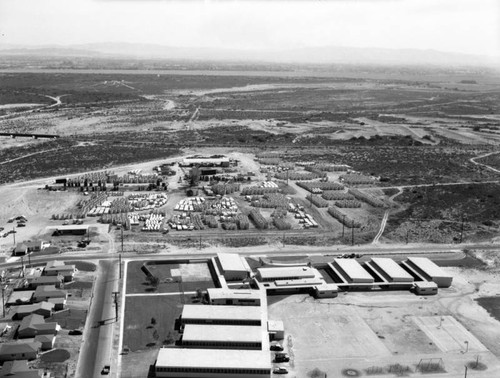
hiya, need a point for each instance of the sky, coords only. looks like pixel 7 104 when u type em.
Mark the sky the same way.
pixel 463 26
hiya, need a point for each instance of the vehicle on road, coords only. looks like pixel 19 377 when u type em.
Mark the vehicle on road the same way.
pixel 105 370
pixel 280 370
pixel 281 357
pixel 21 225
pixel 75 332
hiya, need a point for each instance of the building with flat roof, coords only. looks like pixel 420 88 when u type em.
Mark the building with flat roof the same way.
pixel 233 267
pixel 205 161
pixel 390 270
pixel 55 268
pixel 425 288
pixel 222 336
pixel 217 296
pixel 205 363
pixel 223 315
pixel 351 271
pixel 429 271
pixel 285 273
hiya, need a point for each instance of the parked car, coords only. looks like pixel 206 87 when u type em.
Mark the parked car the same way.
pixel 281 357
pixel 74 332
pixel 277 347
pixel 21 225
pixel 105 370
pixel 280 370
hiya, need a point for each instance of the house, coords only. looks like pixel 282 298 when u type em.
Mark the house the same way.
pixel 46 341
pixel 46 280
pixel 44 293
pixel 42 308
pixel 19 351
pixel 20 297
pixel 20 369
pixel 33 325
pixel 28 247
pixel 55 268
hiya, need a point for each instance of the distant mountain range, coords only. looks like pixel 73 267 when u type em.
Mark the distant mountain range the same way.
pixel 328 54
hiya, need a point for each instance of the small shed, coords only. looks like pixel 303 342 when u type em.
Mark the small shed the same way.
pixel 276 329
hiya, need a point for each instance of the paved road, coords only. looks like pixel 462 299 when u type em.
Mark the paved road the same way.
pixel 98 338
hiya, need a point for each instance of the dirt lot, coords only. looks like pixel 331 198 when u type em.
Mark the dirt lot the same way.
pixel 372 332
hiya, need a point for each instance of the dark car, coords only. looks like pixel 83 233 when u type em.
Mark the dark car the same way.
pixel 277 347
pixel 280 370
pixel 75 332
pixel 281 357
pixel 21 225
pixel 105 370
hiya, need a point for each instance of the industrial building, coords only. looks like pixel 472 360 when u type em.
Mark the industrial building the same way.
pixel 222 336
pixel 351 272
pixel 205 363
pixel 233 267
pixel 285 273
pixel 427 270
pixel 425 288
pixel 387 270
pixel 223 315
pixel 226 297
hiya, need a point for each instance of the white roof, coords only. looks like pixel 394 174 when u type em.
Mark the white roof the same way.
pixel 392 269
pixel 289 271
pixel 426 284
pixel 231 262
pixel 222 333
pixel 213 358
pixel 354 270
pixel 275 325
pixel 221 312
pixel 428 266
pixel 233 294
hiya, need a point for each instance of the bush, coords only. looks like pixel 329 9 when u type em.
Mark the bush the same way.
pixel 343 218
pixel 259 221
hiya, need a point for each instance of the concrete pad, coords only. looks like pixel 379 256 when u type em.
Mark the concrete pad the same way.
pixel 448 334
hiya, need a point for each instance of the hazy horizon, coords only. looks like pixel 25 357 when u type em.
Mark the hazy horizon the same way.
pixel 450 26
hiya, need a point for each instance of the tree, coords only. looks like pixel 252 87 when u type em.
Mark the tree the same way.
pixel 153 281
pixel 194 176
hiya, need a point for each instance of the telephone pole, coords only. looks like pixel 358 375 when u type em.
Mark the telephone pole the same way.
pixel 343 225
pixel 115 294
pixel 352 235
pixel 120 255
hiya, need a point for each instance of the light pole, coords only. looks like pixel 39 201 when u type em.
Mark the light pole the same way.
pixel 120 254
pixel 466 346
pixel 3 299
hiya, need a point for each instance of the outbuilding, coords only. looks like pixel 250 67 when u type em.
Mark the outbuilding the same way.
pixel 425 288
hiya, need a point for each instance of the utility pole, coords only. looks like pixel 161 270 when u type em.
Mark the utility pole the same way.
pixel 465 374
pixel 343 225
pixel 407 233
pixel 115 294
pixel 462 230
pixel 14 234
pixel 352 235
pixel 3 300
pixel 29 259
pixel 22 265
pixel 287 177
pixel 200 242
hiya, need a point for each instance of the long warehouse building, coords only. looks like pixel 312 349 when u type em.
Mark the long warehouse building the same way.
pixel 429 271
pixel 351 271
pixel 390 270
pixel 223 315
pixel 212 363
pixel 223 336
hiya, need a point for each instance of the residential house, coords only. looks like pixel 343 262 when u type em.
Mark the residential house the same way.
pixel 33 325
pixel 44 293
pixel 55 268
pixel 57 281
pixel 41 308
pixel 20 369
pixel 59 303
pixel 19 351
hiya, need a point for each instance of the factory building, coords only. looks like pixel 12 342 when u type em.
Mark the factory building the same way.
pixel 223 315
pixel 425 288
pixel 427 270
pixel 233 267
pixel 207 363
pixel 234 297
pixel 222 336
pixel 203 161
pixel 351 271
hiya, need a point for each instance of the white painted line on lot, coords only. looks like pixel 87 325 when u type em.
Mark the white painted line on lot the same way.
pixel 159 294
